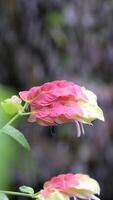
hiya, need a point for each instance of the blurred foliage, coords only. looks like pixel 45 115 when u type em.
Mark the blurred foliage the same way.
pixel 8 149
pixel 45 40
pixel 55 19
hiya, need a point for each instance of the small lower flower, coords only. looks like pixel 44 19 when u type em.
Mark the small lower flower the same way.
pixel 65 186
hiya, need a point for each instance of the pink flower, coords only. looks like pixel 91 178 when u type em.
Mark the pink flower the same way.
pixel 76 185
pixel 60 102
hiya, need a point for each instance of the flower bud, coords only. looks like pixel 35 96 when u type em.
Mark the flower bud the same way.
pixel 12 105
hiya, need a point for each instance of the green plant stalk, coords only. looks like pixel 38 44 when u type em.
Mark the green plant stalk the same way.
pixel 17 194
pixel 27 113
pixel 12 119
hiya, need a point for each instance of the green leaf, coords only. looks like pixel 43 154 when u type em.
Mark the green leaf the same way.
pixel 3 197
pixel 16 135
pixel 26 189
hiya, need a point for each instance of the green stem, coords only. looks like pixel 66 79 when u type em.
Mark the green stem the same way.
pixel 25 106
pixel 17 193
pixel 27 113
pixel 12 119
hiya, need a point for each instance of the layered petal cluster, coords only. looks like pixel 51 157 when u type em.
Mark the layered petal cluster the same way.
pixel 70 185
pixel 60 102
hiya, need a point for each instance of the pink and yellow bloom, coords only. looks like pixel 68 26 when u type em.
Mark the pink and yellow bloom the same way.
pixel 70 185
pixel 60 102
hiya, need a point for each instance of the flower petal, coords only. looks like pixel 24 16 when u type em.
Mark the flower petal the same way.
pixel 87 186
pixel 90 112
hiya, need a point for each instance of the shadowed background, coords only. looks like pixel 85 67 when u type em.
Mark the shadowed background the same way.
pixel 42 41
